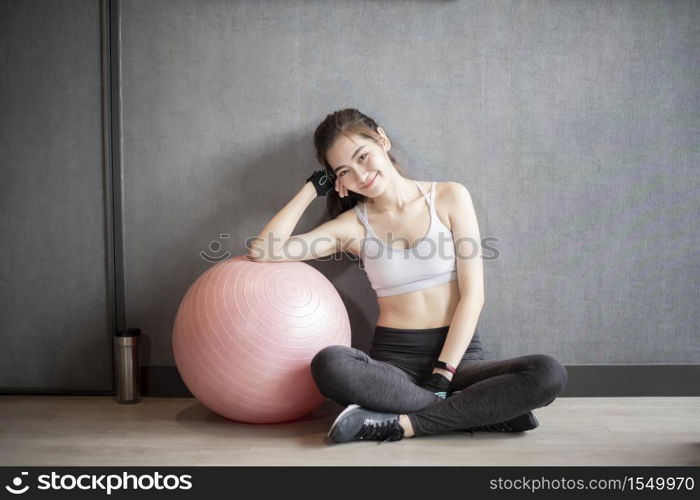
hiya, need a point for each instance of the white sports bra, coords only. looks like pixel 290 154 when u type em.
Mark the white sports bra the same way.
pixel 430 262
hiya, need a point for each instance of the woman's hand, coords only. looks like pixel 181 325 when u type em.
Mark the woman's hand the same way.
pixel 439 384
pixel 323 181
pixel 340 187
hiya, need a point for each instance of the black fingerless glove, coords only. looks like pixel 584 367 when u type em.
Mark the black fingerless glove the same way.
pixel 323 181
pixel 439 384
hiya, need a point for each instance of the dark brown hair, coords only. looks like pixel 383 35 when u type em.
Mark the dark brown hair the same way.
pixel 342 122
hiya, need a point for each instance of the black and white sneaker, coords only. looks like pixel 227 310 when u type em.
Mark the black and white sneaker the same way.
pixel 358 424
pixel 524 422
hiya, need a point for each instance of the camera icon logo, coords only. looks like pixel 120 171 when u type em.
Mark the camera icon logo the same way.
pixel 17 482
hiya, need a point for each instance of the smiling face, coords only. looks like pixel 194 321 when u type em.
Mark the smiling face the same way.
pixel 361 164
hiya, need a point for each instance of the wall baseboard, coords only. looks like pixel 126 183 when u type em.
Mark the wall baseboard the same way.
pixel 584 381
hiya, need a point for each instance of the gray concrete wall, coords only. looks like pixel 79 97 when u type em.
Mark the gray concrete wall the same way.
pixel 54 313
pixel 573 124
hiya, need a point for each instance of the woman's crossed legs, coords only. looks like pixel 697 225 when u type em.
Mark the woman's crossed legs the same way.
pixel 490 391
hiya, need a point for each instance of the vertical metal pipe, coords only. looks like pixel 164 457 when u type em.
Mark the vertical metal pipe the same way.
pixel 110 24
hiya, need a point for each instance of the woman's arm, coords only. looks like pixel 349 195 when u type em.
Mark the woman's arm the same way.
pixel 470 276
pixel 269 243
pixel 274 243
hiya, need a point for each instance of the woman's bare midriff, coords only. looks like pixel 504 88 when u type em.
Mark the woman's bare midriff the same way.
pixel 428 308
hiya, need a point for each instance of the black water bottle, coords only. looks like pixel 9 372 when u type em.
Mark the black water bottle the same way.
pixel 127 365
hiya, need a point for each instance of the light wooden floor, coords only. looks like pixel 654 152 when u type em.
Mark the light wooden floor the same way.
pixel 96 430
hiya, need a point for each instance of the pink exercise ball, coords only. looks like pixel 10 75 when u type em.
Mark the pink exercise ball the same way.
pixel 245 334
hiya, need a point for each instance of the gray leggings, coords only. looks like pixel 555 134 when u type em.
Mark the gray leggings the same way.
pixel 389 378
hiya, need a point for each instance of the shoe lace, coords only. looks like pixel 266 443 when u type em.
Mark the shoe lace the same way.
pixel 373 429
